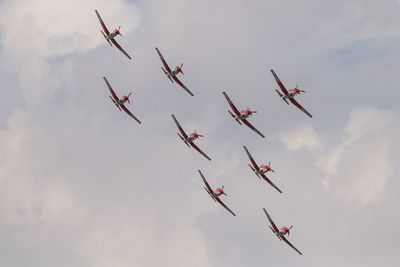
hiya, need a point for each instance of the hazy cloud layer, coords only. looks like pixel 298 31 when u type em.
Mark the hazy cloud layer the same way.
pixel 81 184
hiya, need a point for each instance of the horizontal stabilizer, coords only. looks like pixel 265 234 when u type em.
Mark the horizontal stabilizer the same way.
pixel 279 93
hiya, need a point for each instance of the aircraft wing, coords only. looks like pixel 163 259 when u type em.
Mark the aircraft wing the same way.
pixel 253 162
pixel 284 90
pixel 120 48
pixel 111 90
pixel 252 127
pixel 271 221
pixel 231 104
pixel 179 127
pixel 199 150
pixel 290 244
pixel 269 181
pixel 182 85
pixel 223 205
pixel 205 183
pixel 167 68
pixel 129 113
pixel 294 102
pixel 102 23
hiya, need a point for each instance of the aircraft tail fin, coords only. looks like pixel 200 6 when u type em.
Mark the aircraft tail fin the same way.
pixel 105 37
pixel 282 96
pixel 115 102
pixel 183 139
pixel 233 116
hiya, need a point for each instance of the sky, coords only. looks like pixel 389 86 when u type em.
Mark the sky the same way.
pixel 82 184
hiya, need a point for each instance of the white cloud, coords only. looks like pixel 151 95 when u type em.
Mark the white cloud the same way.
pixel 358 168
pixel 83 186
pixel 302 136
pixel 124 245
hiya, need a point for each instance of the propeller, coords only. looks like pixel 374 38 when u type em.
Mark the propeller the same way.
pixel 118 30
pixel 180 69
pixel 297 87
pixel 222 187
pixel 288 232
pixel 199 135
pixel 269 164
pixel 129 96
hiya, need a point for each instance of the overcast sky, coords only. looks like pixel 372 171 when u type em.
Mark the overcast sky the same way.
pixel 82 184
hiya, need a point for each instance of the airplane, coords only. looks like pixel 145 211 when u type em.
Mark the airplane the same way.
pixel 110 37
pixel 171 74
pixel 215 194
pixel 189 139
pixel 290 94
pixel 242 115
pixel 260 171
pixel 119 102
pixel 280 233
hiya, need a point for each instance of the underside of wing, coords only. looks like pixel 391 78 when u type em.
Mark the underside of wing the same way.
pixel 231 104
pixel 290 244
pixel 111 90
pixel 294 102
pixel 199 150
pixel 182 85
pixel 253 162
pixel 120 48
pixel 271 221
pixel 226 207
pixel 252 127
pixel 269 181
pixel 102 23
pixel 284 90
pixel 205 182
pixel 167 68
pixel 179 126
pixel 130 113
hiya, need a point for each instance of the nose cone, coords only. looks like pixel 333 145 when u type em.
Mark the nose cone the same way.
pixel 219 191
pixel 284 229
pixel 265 167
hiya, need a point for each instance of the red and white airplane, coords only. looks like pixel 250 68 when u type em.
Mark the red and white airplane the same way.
pixel 280 233
pixel 260 171
pixel 189 139
pixel 119 102
pixel 242 115
pixel 290 94
pixel 171 74
pixel 215 194
pixel 110 37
